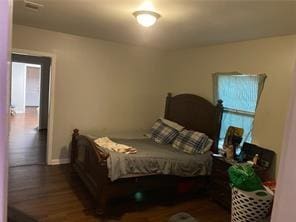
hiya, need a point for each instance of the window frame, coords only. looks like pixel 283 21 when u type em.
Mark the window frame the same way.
pixel 261 83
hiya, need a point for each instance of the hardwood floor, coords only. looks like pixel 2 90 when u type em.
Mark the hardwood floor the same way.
pixel 55 193
pixel 27 145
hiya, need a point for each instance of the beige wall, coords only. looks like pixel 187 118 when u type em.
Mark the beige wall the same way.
pixel 191 71
pixel 112 88
pixel 100 86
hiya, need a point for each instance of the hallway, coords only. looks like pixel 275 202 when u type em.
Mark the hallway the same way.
pixel 27 145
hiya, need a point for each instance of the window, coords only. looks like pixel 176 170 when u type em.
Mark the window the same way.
pixel 240 94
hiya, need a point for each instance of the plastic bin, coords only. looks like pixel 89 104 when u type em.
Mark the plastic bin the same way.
pixel 250 206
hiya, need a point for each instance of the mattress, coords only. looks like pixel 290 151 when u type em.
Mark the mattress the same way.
pixel 155 159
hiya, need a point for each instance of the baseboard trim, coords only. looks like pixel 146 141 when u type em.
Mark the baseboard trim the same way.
pixel 59 161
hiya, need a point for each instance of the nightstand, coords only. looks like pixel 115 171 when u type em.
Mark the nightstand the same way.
pixel 220 190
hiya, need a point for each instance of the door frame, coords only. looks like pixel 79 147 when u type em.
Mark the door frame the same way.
pixel 45 63
pixel 52 56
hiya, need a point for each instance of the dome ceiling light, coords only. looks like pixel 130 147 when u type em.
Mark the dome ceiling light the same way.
pixel 146 18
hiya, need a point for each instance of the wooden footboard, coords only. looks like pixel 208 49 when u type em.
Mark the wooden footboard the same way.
pixel 91 165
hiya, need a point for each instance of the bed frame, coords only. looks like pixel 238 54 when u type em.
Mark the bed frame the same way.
pixel 191 111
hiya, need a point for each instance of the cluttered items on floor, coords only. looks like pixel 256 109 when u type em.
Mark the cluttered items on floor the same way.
pixel 251 200
pixel 182 217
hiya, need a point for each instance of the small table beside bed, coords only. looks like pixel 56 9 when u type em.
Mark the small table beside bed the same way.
pixel 158 163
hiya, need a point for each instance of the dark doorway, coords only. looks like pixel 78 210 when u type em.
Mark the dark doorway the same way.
pixel 30 78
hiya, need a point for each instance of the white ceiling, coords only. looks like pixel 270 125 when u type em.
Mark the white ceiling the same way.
pixel 184 23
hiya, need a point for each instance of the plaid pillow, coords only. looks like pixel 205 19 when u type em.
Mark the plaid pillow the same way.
pixel 191 142
pixel 207 147
pixel 162 133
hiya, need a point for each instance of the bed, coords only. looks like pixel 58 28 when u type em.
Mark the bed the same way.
pixel 93 164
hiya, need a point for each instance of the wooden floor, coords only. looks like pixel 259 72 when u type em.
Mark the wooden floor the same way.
pixel 55 193
pixel 27 145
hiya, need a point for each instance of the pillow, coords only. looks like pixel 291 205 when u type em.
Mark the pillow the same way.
pixel 207 147
pixel 172 124
pixel 162 133
pixel 191 142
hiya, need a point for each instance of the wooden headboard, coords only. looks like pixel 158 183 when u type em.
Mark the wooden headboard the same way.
pixel 195 113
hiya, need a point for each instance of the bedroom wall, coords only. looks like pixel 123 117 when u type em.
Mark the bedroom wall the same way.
pixel 125 86
pixel 101 87
pixel 191 71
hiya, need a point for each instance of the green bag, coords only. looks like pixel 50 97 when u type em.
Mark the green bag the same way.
pixel 244 177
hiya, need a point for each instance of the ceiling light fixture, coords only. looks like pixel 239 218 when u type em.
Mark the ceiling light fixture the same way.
pixel 146 18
